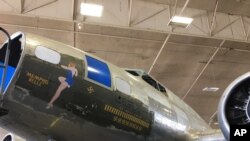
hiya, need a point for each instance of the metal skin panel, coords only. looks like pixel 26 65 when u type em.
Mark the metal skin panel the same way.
pixel 85 110
pixel 83 99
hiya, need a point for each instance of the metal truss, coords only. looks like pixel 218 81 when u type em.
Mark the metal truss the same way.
pixel 19 7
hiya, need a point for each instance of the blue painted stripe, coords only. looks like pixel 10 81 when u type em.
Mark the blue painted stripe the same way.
pixel 98 71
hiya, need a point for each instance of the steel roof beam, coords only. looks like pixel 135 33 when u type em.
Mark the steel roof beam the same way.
pixel 129 12
pixel 133 24
pixel 204 68
pixel 159 53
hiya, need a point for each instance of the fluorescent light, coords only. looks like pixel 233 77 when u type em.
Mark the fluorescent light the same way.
pixel 216 123
pixel 210 89
pixel 91 9
pixel 184 20
pixel 180 21
pixel 79 26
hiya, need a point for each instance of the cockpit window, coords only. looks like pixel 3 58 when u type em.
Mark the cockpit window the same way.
pixel 147 78
pixel 133 72
pixel 161 88
pixel 150 81
pixel 154 83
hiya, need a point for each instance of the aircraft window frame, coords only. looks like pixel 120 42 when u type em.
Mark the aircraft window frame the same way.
pixel 138 72
pixel 47 55
pixel 162 88
pixel 92 80
pixel 148 79
pixel 158 86
pixel 128 92
pixel 134 73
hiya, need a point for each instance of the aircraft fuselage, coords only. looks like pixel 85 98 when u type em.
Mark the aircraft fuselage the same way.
pixel 76 96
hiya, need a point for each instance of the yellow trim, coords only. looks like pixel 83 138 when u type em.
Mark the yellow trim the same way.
pixel 126 117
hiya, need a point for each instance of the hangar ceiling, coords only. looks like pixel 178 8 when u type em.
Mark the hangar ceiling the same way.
pixel 211 52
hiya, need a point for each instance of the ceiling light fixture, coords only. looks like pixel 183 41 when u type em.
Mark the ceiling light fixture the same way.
pixel 180 21
pixel 91 9
pixel 216 123
pixel 210 89
pixel 79 26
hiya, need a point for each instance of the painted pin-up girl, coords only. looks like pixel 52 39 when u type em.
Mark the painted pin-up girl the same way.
pixel 65 82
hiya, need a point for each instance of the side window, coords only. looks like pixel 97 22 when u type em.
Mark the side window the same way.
pixel 122 86
pixel 161 88
pixel 47 55
pixel 98 71
pixel 154 84
pixel 150 81
pixel 133 72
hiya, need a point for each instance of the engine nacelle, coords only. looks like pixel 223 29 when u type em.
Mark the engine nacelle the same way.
pixel 234 107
